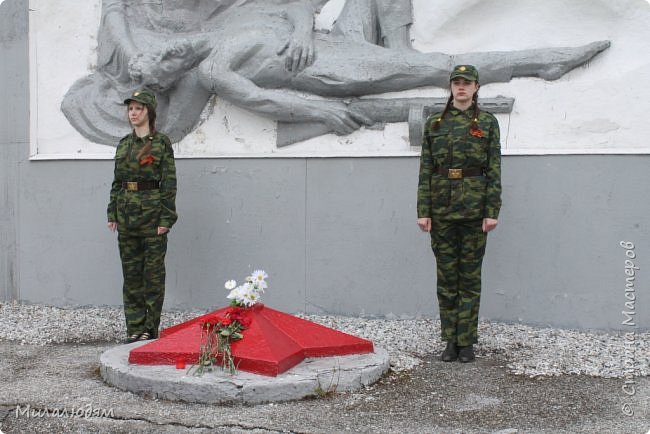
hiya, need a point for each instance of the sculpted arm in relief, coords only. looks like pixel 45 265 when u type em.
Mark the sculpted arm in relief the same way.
pixel 277 104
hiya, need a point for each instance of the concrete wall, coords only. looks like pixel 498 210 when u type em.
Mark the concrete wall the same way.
pixel 14 134
pixel 335 235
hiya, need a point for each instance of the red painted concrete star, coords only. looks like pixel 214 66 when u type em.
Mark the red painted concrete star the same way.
pixel 272 344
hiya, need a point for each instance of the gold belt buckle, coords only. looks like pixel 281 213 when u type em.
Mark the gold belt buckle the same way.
pixel 455 173
pixel 132 186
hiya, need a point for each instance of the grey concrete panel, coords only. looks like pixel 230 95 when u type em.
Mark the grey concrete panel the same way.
pixel 555 257
pixel 66 254
pixel 14 133
pixel 339 236
pixel 237 216
pixel 365 254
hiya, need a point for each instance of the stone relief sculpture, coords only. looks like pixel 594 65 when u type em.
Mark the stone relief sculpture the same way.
pixel 264 56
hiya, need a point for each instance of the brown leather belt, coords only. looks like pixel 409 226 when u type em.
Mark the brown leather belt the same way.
pixel 459 173
pixel 141 185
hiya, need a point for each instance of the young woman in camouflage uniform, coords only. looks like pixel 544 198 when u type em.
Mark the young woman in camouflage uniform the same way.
pixel 142 209
pixel 459 197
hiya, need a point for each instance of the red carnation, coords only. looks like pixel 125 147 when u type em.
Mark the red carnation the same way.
pixel 244 320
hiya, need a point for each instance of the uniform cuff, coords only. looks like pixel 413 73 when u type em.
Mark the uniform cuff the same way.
pixel 492 213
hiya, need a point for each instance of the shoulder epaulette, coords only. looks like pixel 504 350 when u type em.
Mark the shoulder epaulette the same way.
pixel 487 113
pixel 433 117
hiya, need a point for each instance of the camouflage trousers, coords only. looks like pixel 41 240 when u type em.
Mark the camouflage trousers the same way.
pixel 459 247
pixel 143 293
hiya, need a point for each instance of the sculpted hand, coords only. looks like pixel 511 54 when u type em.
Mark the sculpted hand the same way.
pixel 338 117
pixel 299 52
pixel 489 224
pixel 425 224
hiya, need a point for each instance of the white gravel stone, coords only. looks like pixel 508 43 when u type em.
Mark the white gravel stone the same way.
pixel 526 350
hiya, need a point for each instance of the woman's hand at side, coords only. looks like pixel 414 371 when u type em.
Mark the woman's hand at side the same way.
pixel 489 224
pixel 425 224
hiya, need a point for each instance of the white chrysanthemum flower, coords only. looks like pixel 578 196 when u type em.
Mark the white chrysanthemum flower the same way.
pixel 259 275
pixel 249 292
pixel 235 294
pixel 248 299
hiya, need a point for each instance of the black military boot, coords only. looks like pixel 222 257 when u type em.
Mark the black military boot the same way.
pixel 466 354
pixel 132 338
pixel 450 354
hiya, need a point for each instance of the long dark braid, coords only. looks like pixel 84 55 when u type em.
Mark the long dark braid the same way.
pixel 436 123
pixel 474 125
pixel 151 112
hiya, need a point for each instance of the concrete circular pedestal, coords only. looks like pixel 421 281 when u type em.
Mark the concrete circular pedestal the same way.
pixel 309 378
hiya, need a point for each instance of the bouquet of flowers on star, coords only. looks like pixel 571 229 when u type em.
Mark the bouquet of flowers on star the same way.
pixel 219 330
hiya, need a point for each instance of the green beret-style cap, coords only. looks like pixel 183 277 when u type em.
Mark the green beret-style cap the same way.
pixel 144 97
pixel 468 72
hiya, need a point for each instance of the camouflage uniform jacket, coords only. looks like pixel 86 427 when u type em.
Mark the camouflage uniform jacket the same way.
pixel 453 146
pixel 139 213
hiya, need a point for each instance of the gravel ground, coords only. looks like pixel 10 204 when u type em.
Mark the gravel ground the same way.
pixel 530 351
pixel 525 380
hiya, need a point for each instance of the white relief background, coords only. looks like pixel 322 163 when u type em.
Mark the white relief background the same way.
pixel 598 108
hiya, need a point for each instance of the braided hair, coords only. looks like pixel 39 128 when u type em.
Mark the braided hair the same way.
pixel 436 123
pixel 474 125
pixel 151 113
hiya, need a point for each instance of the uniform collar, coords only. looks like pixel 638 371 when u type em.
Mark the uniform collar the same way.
pixel 135 137
pixel 455 111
